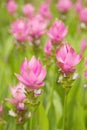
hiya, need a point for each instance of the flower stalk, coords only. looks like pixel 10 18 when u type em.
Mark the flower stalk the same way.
pixel 20 127
pixel 65 111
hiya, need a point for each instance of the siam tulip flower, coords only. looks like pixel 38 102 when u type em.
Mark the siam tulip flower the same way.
pixel 78 6
pixel 37 27
pixel 30 39
pixel 45 11
pixel 1 111
pixel 83 15
pixel 58 31
pixel 18 96
pixel 83 44
pixel 1 108
pixel 32 73
pixel 67 58
pixel 28 10
pixel 48 47
pixel 19 29
pixel 64 5
pixel 86 63
pixel 39 17
pixel 12 6
pixel 85 74
pixel 48 1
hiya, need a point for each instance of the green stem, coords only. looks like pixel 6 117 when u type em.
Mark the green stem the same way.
pixel 30 123
pixel 65 112
pixel 20 127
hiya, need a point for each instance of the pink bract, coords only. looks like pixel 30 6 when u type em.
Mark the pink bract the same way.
pixel 12 6
pixel 83 44
pixel 37 26
pixel 19 29
pixel 28 10
pixel 48 47
pixel 32 73
pixel 57 31
pixel 78 6
pixel 45 11
pixel 67 58
pixel 18 96
pixel 64 5
pixel 48 1
pixel 83 15
pixel 85 73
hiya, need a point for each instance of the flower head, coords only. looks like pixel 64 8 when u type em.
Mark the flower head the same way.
pixel 48 47
pixel 57 32
pixel 67 58
pixel 18 96
pixel 48 1
pixel 32 73
pixel 64 5
pixel 19 30
pixel 78 6
pixel 83 15
pixel 83 44
pixel 1 111
pixel 45 11
pixel 12 6
pixel 37 27
pixel 28 10
pixel 85 72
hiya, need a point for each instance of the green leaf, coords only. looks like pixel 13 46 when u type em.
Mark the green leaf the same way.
pixel 8 47
pixel 2 124
pixel 42 119
pixel 79 123
pixel 58 106
pixel 52 117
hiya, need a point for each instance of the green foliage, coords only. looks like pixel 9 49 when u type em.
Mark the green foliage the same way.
pixel 49 115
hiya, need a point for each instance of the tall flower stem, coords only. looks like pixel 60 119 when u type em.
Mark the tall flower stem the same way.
pixel 65 111
pixel 30 123
pixel 20 127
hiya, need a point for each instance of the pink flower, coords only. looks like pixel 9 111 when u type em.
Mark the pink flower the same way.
pixel 58 31
pixel 64 5
pixel 18 96
pixel 83 15
pixel 12 6
pixel 28 10
pixel 67 58
pixel 20 30
pixel 48 1
pixel 1 108
pixel 1 111
pixel 45 11
pixel 78 6
pixel 48 47
pixel 37 27
pixel 39 17
pixel 32 73
pixel 83 44
pixel 86 63
pixel 85 74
